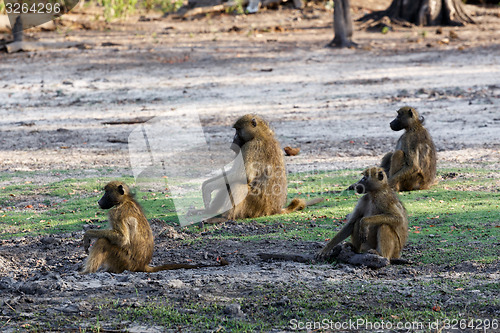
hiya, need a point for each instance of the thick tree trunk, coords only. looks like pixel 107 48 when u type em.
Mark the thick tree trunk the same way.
pixel 342 24
pixel 424 12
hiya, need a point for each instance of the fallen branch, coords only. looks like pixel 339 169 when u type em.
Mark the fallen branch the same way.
pixel 138 120
pixel 302 258
pixel 341 253
pixel 39 46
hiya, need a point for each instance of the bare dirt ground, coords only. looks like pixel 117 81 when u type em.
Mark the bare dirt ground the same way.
pixel 334 104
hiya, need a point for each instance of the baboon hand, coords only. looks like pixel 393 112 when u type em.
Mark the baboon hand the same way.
pixel 328 253
pixel 322 255
pixel 86 243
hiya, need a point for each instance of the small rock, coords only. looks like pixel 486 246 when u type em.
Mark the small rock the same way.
pixel 69 308
pixel 122 278
pixel 176 284
pixel 234 310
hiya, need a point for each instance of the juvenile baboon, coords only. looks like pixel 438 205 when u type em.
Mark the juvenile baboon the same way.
pixel 412 166
pixel 129 244
pixel 257 188
pixel 378 224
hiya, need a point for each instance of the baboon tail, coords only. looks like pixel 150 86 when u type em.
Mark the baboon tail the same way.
pixel 295 205
pixel 167 267
pixel 314 201
pixel 299 204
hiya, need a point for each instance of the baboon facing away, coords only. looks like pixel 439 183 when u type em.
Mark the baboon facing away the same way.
pixel 129 244
pixel 378 224
pixel 259 187
pixel 412 165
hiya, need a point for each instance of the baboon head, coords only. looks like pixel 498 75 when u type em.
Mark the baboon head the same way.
pixel 373 179
pixel 407 118
pixel 114 194
pixel 247 128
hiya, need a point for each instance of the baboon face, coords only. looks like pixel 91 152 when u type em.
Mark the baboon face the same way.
pixel 406 116
pixel 246 129
pixel 113 194
pixel 373 179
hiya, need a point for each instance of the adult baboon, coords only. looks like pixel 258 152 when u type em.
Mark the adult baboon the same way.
pixel 412 166
pixel 378 224
pixel 259 186
pixel 129 244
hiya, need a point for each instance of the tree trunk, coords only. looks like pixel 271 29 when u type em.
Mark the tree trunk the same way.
pixel 424 12
pixel 342 24
pixel 17 30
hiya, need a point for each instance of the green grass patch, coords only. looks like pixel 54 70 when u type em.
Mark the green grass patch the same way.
pixel 458 219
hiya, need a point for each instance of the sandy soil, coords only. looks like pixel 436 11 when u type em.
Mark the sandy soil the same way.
pixel 333 104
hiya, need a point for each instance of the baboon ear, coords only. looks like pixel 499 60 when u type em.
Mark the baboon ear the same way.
pixel 254 122
pixel 121 190
pixel 410 113
pixel 380 175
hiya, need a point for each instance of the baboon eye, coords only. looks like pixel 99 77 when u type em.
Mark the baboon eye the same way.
pixel 254 122
pixel 120 189
pixel 410 113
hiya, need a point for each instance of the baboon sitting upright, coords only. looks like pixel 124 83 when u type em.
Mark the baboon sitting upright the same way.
pixel 259 187
pixel 412 166
pixel 129 244
pixel 378 224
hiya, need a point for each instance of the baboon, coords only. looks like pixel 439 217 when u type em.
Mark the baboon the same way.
pixel 378 224
pixel 257 188
pixel 412 166
pixel 129 244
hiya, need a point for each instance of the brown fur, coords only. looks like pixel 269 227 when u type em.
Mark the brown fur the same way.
pixel 378 224
pixel 264 178
pixel 412 166
pixel 129 243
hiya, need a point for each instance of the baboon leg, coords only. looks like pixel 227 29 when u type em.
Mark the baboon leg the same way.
pixel 220 201
pixel 397 162
pixel 386 163
pixel 388 246
pixel 98 256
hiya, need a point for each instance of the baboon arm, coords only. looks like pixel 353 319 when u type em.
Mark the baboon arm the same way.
pixel 377 220
pixel 346 230
pixel 116 237
pixel 339 237
pixel 407 169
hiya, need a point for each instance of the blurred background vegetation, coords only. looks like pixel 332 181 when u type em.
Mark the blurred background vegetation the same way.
pixel 119 9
